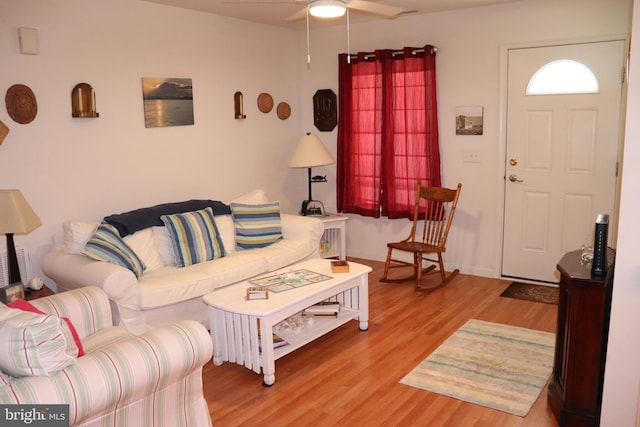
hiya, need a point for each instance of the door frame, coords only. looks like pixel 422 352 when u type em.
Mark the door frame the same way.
pixel 502 139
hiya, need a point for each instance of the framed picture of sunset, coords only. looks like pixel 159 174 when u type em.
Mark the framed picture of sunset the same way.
pixel 167 101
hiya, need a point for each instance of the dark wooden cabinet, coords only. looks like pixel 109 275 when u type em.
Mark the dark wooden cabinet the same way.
pixel 575 391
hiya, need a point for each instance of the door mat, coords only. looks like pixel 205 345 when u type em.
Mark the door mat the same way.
pixel 530 292
pixel 498 366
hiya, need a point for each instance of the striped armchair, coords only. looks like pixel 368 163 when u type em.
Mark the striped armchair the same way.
pixel 154 379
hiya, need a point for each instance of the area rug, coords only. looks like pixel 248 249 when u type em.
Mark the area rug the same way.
pixel 499 366
pixel 529 292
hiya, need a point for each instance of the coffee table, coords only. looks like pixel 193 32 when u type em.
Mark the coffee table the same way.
pixel 242 330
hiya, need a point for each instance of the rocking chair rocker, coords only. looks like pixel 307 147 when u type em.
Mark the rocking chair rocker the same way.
pixel 436 217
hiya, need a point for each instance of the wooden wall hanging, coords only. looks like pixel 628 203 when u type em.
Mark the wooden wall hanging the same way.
pixel 238 101
pixel 83 101
pixel 325 110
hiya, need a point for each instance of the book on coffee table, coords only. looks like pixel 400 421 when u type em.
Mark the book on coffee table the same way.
pixel 278 342
pixel 323 309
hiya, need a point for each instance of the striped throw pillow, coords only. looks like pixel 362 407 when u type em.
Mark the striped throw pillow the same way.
pixel 257 226
pixel 34 344
pixel 194 236
pixel 106 245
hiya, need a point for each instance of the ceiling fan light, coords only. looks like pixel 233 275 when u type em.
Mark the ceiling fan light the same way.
pixel 327 8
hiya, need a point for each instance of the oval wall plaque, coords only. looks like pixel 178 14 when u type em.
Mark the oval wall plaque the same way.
pixel 265 102
pixel 283 110
pixel 21 104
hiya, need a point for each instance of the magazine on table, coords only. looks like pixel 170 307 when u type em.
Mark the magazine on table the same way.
pixel 289 280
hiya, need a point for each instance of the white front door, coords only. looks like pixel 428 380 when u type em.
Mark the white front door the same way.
pixel 561 158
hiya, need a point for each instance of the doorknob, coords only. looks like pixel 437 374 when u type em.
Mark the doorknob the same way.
pixel 514 178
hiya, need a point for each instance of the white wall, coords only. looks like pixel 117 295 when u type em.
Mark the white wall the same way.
pixel 622 374
pixel 71 168
pixel 469 72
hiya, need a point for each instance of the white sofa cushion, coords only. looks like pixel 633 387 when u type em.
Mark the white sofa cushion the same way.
pixel 75 235
pixel 165 247
pixel 169 285
pixel 227 230
pixel 254 197
pixel 143 243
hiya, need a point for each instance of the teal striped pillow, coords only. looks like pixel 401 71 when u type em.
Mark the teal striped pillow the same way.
pixel 257 226
pixel 106 245
pixel 194 236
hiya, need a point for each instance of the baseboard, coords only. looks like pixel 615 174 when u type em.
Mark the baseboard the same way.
pixel 464 269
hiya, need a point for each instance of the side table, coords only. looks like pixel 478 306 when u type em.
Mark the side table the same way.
pixel 333 241
pixel 30 294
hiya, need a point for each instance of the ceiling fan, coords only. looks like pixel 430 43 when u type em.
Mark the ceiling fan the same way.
pixel 337 8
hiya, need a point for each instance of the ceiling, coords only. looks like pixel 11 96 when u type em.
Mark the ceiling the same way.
pixel 276 12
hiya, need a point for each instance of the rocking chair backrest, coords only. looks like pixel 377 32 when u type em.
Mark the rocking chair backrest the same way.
pixel 435 207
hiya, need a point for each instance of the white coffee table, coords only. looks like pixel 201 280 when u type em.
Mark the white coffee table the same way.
pixel 241 328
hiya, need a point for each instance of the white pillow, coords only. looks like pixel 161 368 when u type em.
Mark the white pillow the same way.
pixel 143 243
pixel 227 230
pixel 165 246
pixel 76 234
pixel 255 197
pixel 34 344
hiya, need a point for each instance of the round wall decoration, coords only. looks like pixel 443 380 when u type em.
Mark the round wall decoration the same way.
pixel 283 110
pixel 21 104
pixel 265 102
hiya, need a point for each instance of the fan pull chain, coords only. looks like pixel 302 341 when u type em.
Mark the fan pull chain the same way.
pixel 348 40
pixel 308 49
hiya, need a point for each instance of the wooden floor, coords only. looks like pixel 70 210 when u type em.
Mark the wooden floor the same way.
pixel 351 378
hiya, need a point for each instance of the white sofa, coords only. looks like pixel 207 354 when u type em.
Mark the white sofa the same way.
pixel 165 293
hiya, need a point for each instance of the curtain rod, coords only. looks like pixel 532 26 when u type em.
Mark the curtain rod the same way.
pixel 434 49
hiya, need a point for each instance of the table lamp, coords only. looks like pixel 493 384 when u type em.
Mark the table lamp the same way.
pixel 16 216
pixel 310 152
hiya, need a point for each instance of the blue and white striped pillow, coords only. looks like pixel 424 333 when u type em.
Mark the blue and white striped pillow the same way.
pixel 106 245
pixel 194 236
pixel 257 226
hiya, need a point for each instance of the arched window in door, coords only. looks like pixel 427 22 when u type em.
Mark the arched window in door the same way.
pixel 562 77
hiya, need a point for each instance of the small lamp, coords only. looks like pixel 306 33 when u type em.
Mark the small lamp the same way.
pixel 16 216
pixel 310 152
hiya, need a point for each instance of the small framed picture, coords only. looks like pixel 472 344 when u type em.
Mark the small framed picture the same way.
pixel 11 292
pixel 469 120
pixel 257 293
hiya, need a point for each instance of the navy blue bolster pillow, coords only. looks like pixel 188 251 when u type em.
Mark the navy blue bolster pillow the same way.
pixel 129 222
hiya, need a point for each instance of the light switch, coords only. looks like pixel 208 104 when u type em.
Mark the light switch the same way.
pixel 28 41
pixel 471 156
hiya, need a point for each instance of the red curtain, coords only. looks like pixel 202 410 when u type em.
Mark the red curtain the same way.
pixel 387 131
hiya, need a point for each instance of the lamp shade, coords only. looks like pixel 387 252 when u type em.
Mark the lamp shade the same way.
pixel 310 152
pixel 16 216
pixel 327 8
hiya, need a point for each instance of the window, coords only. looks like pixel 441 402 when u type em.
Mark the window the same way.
pixel 563 77
pixel 387 131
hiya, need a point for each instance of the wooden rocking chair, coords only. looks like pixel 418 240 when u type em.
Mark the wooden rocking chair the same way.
pixel 436 218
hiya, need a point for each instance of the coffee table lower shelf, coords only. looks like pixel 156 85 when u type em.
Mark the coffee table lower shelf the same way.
pixel 320 327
